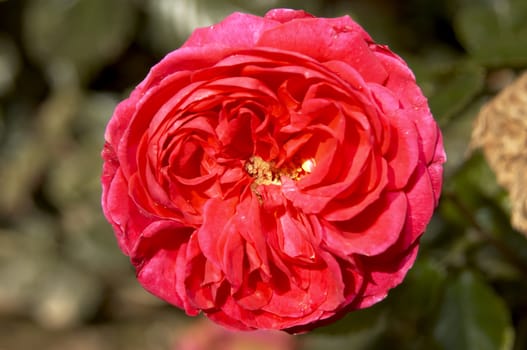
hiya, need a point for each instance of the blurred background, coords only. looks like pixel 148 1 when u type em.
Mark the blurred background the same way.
pixel 64 284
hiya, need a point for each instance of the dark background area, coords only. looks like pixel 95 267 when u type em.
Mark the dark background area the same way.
pixel 64 284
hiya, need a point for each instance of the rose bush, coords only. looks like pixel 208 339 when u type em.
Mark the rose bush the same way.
pixel 273 173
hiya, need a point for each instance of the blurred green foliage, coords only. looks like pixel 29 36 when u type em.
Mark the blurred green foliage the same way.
pixel 64 64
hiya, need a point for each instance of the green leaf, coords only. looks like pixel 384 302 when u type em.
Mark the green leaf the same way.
pixel 494 32
pixel 473 317
pixel 418 296
pixel 360 330
pixel 456 138
pixel 474 181
pixel 455 88
pixel 358 323
pixel 449 85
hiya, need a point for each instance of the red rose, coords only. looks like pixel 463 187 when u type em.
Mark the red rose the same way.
pixel 273 173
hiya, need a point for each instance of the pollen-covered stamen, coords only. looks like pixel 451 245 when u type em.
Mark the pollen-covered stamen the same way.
pixel 262 172
pixel 265 173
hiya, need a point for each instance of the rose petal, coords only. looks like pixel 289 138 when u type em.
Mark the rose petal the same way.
pixel 216 214
pixel 368 189
pixel 403 151
pixel 121 211
pixel 402 84
pixel 160 257
pixel 254 294
pixel 385 274
pixel 435 169
pixel 254 231
pixel 373 230
pixel 336 38
pixel 421 203
pixel 238 30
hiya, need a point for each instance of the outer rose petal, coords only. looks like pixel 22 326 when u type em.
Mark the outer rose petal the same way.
pixel 402 84
pixel 386 272
pixel 121 117
pixel 240 31
pixel 121 212
pixel 274 172
pixel 435 169
pixel 421 203
pixel 337 39
pixel 160 259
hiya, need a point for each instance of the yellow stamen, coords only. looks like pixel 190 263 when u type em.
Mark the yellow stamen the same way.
pixel 265 173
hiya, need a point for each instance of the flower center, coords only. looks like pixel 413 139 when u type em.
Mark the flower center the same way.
pixel 265 173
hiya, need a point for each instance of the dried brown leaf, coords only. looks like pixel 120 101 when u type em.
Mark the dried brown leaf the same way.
pixel 501 131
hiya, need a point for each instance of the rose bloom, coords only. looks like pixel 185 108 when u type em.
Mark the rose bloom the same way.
pixel 274 172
